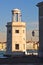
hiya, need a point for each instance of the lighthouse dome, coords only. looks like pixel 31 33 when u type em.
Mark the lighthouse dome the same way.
pixel 16 10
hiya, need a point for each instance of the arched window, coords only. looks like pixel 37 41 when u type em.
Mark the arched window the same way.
pixel 33 33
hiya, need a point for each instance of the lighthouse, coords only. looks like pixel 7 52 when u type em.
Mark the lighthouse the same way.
pixel 16 34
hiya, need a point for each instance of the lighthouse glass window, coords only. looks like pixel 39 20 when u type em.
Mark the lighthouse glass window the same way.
pixel 16 16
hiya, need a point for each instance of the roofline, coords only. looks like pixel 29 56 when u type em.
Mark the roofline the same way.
pixel 40 4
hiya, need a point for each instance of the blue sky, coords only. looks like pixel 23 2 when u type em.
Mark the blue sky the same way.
pixel 27 7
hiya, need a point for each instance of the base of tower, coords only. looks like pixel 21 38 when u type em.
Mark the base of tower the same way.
pixel 40 54
pixel 13 54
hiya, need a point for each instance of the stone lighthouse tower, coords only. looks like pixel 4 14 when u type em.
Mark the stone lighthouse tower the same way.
pixel 40 5
pixel 16 34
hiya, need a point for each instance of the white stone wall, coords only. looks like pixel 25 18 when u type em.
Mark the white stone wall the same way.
pixel 19 38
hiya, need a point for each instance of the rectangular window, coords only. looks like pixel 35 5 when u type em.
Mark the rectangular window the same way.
pixel 24 46
pixel 23 31
pixel 17 31
pixel 9 31
pixel 17 17
pixel 17 46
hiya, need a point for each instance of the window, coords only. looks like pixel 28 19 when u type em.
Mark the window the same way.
pixel 23 31
pixel 17 31
pixel 16 16
pixel 24 46
pixel 34 46
pixel 33 33
pixel 9 31
pixel 17 46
